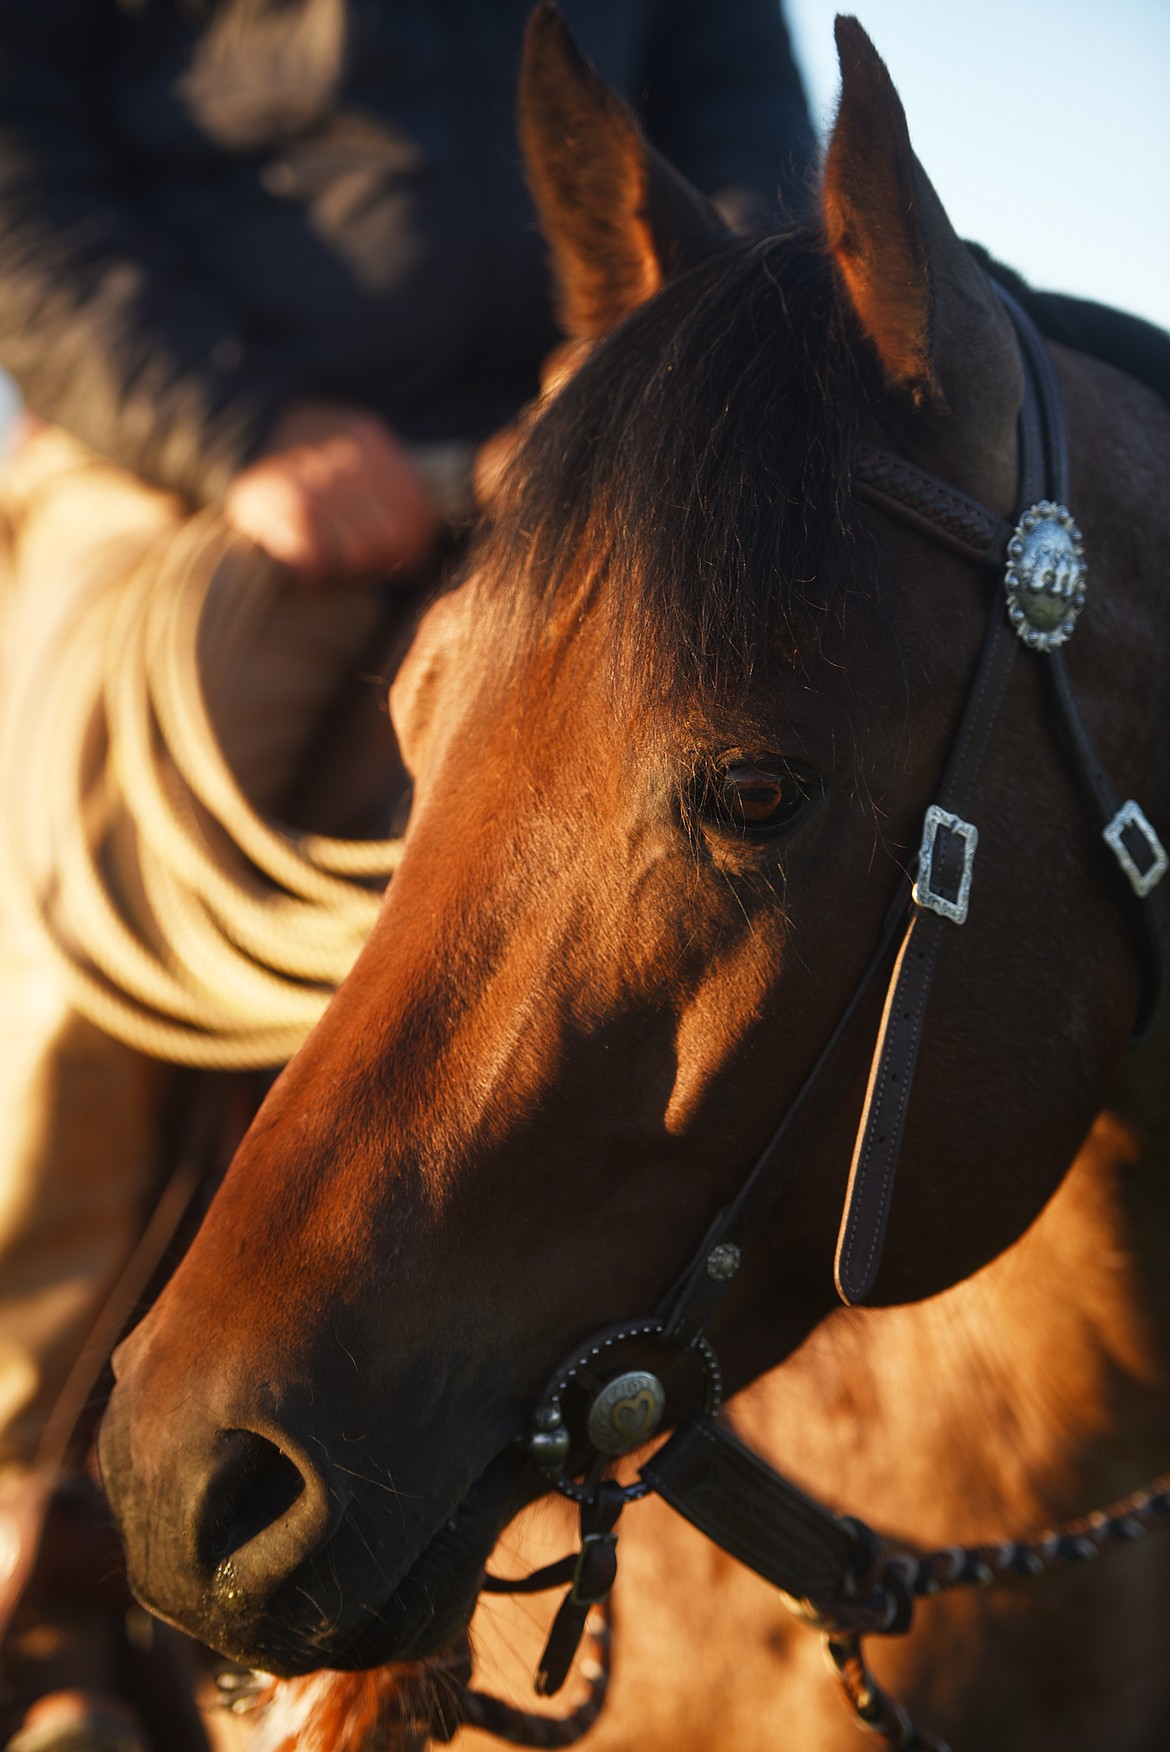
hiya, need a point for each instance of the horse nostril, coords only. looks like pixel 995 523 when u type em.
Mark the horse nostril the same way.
pixel 256 1493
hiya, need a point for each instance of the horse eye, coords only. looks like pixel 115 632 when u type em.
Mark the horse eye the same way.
pixel 754 799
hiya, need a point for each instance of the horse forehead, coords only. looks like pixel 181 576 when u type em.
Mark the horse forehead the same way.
pixel 502 689
pixel 440 645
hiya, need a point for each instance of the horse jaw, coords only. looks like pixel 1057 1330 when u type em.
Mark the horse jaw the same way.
pixel 941 336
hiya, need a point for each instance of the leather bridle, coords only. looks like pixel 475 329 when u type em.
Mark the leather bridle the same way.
pixel 703 1471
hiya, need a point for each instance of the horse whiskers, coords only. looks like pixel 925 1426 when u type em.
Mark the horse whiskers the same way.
pixel 391 1488
pixel 350 1520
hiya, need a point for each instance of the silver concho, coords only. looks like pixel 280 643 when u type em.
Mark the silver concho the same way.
pixel 723 1262
pixel 626 1412
pixel 1046 576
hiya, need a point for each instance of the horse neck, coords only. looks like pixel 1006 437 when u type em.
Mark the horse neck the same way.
pixel 1031 1392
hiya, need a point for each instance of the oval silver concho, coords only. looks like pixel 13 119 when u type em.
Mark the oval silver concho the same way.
pixel 626 1412
pixel 1046 576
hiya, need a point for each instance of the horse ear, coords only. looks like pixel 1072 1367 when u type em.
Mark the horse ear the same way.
pixel 937 326
pixel 872 220
pixel 619 218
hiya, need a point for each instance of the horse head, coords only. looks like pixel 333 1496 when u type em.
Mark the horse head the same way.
pixel 672 738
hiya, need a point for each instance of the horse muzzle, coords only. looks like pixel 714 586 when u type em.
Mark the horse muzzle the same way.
pixel 243 1532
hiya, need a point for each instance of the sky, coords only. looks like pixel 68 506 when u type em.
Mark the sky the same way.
pixel 1044 127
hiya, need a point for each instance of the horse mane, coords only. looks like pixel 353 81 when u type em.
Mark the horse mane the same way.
pixel 1115 337
pixel 695 474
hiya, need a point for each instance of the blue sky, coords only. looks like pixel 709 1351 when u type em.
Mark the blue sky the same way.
pixel 1044 127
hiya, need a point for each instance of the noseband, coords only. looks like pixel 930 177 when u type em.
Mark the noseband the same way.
pixel 833 1566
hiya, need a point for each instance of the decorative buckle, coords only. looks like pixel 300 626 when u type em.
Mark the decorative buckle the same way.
pixel 1141 881
pixel 1045 577
pixel 926 892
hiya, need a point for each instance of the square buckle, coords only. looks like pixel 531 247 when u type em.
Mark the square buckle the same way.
pixel 1130 818
pixel 927 890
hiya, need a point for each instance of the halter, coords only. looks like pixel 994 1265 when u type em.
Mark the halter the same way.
pixel 833 1568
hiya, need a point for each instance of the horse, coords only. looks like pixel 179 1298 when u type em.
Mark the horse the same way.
pixel 673 734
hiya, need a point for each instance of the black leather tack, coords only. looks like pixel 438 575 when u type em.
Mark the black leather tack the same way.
pixel 594 1573
pixel 728 1493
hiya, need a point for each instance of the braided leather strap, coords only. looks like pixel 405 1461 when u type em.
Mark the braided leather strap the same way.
pixel 932 506
pixel 874 1708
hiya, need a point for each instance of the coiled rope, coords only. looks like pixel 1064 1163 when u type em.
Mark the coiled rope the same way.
pixel 182 921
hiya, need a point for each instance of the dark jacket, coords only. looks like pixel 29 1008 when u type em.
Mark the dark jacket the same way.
pixel 208 207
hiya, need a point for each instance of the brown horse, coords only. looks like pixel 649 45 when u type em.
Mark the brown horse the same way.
pixel 673 737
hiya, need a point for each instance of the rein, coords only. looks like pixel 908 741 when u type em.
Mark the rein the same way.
pixel 835 1571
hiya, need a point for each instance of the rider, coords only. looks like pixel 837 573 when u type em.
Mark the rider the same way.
pixel 253 256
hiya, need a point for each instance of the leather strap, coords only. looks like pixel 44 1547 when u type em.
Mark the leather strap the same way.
pixel 865 1218
pixel 879 1137
pixel 551 1575
pixel 722 1488
pixel 932 507
pixel 1149 915
pixel 1044 460
pixel 594 1573
pixel 883 1118
pixel 697 1295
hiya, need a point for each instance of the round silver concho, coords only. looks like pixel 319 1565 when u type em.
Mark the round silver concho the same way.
pixel 1046 576
pixel 626 1412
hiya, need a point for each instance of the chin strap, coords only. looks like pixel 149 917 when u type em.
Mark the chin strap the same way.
pixel 590 1573
pixel 594 1573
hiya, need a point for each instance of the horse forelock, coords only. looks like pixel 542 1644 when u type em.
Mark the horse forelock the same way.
pixel 692 481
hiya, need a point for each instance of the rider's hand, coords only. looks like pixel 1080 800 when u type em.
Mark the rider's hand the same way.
pixel 334 494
